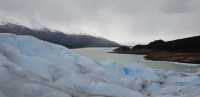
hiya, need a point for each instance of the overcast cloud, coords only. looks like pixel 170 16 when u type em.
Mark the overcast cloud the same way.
pixel 123 21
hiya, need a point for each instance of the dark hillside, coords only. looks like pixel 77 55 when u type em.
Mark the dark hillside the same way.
pixel 57 37
pixel 186 50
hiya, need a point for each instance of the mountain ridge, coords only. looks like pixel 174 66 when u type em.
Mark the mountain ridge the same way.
pixel 185 50
pixel 58 37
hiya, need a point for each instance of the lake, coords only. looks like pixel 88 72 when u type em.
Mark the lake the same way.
pixel 101 54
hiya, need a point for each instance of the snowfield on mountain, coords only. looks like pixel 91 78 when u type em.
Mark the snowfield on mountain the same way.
pixel 30 67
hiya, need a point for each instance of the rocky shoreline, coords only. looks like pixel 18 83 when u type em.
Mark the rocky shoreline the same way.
pixel 174 57
pixel 185 50
pixel 182 57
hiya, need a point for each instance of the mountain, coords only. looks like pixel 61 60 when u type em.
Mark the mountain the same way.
pixel 186 50
pixel 58 37
pixel 191 44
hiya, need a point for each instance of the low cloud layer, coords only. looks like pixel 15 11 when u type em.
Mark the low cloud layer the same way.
pixel 123 21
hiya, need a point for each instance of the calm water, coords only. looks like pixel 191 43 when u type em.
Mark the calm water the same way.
pixel 101 54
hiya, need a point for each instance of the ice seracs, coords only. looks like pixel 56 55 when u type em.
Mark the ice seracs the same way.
pixel 30 67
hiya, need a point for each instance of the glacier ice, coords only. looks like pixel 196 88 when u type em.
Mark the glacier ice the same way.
pixel 30 67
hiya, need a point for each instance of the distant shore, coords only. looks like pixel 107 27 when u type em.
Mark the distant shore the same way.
pixel 174 57
pixel 182 57
pixel 186 50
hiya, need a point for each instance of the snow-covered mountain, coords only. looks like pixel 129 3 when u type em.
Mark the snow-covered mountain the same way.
pixel 30 67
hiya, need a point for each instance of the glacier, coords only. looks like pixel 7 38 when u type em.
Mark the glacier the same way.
pixel 30 67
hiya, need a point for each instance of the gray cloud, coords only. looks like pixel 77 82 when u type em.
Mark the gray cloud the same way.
pixel 119 20
pixel 177 6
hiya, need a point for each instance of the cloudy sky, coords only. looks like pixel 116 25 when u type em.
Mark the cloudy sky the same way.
pixel 124 21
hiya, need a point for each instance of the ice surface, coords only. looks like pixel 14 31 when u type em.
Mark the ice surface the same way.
pixel 30 67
